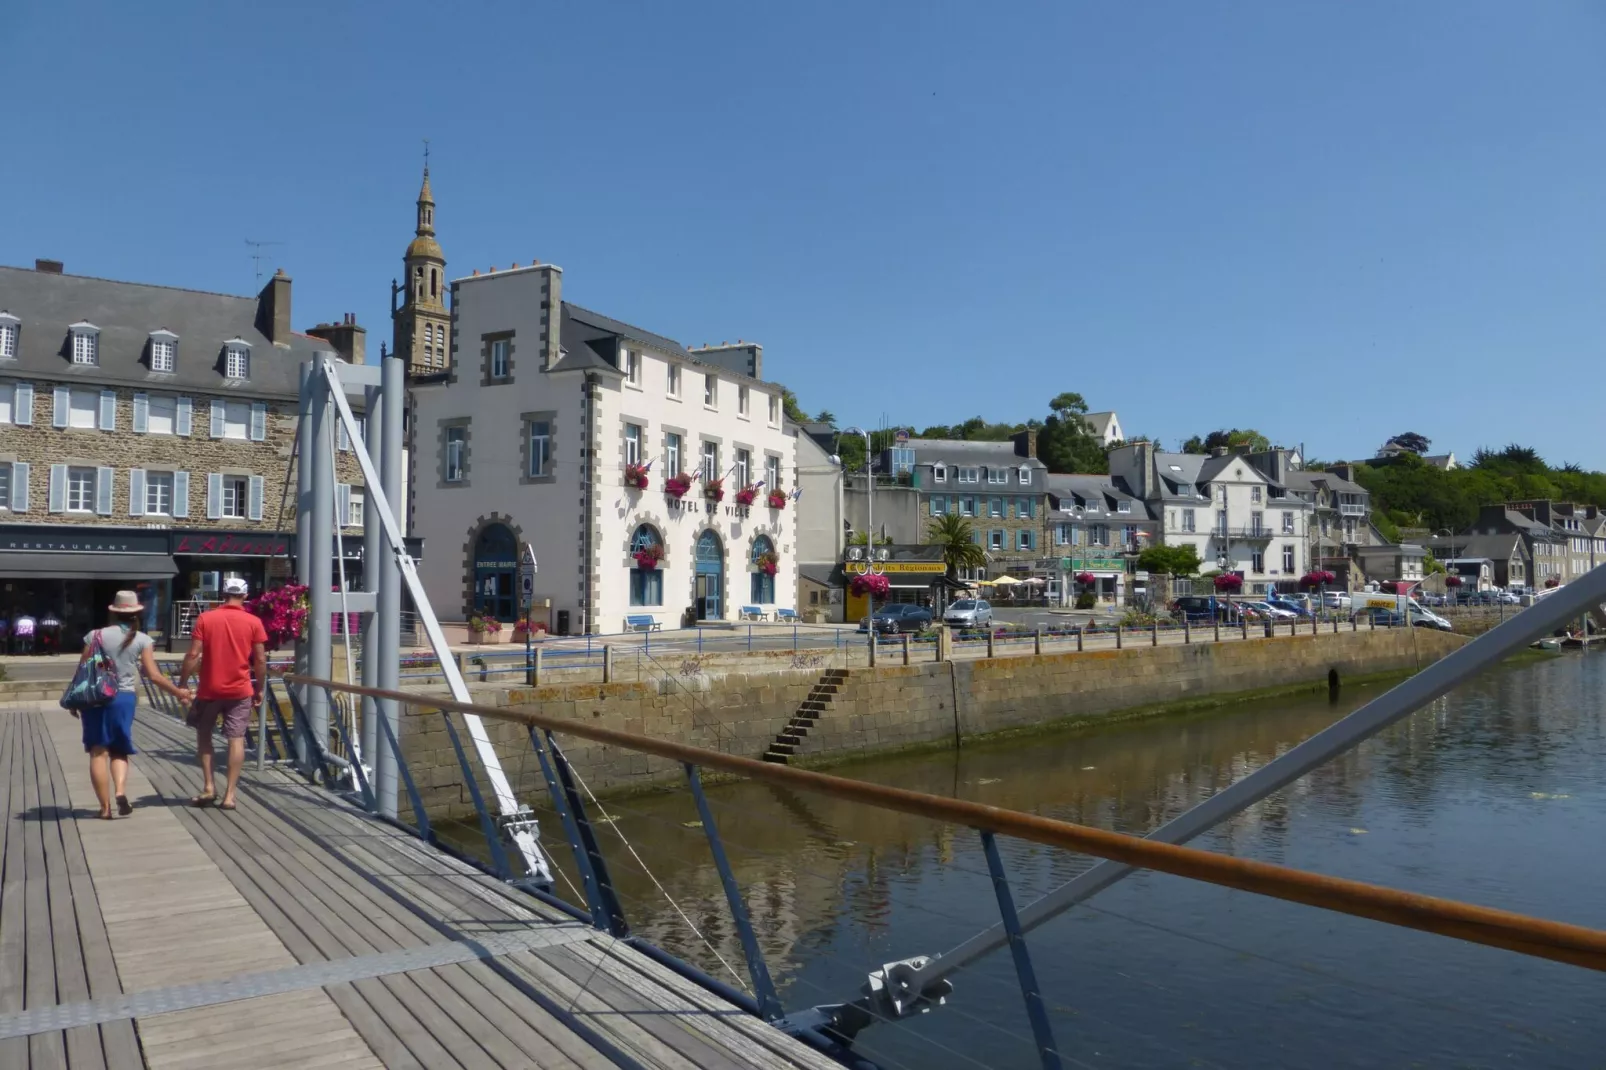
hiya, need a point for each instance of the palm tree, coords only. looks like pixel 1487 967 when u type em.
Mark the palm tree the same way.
pixel 958 541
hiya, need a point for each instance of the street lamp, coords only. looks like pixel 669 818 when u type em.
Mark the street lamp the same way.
pixel 869 522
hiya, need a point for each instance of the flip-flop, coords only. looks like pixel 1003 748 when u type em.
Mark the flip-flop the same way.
pixel 124 807
pixel 105 817
pixel 204 800
pixel 225 806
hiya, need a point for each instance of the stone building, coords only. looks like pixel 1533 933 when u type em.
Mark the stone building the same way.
pixel 146 437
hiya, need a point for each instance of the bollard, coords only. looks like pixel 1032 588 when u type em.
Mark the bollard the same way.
pixel 749 638
pixel 906 648
pixel 1354 625
pixel 1313 624
pixel 607 664
pixel 1037 643
pixel 1154 633
pixel 990 640
pixel 535 672
pixel 1187 630
pixel 1079 638
pixel 794 639
pixel 873 645
pixel 1335 625
pixel 485 669
pixel 1118 630
pixel 1293 629
pixel 1215 624
pixel 1371 620
pixel 462 663
pixel 1243 626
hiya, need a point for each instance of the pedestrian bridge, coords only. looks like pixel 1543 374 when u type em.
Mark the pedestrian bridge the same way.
pixel 299 931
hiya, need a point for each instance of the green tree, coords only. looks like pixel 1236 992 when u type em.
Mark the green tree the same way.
pixel 958 541
pixel 826 417
pixel 1172 560
pixel 1246 436
pixel 1065 443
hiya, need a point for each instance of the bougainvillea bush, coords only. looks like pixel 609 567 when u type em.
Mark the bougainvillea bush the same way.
pixel 283 611
pixel 870 583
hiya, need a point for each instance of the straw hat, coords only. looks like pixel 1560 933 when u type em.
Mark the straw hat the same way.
pixel 125 602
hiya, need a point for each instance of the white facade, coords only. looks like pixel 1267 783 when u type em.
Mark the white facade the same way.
pixel 1106 427
pixel 531 435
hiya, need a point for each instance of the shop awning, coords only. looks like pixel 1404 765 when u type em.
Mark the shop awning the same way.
pixel 44 565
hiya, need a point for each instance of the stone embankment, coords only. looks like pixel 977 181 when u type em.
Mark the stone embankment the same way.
pixel 826 714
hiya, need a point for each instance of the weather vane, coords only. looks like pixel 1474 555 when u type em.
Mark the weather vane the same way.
pixel 426 154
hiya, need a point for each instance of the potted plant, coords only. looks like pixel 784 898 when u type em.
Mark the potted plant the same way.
pixel 777 499
pixel 1086 578
pixel 1452 581
pixel 747 495
pixel 677 486
pixel 523 629
pixel 283 611
pixel 636 476
pixel 484 628
pixel 714 490
pixel 648 556
pixel 870 583
pixel 768 561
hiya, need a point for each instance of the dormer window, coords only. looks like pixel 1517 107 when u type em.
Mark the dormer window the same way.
pixel 1025 476
pixel 939 473
pixel 10 328
pixel 164 351
pixel 237 359
pixel 85 343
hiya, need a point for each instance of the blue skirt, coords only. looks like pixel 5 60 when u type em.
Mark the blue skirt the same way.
pixel 111 726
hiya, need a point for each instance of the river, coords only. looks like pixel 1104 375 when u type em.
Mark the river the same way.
pixel 1494 795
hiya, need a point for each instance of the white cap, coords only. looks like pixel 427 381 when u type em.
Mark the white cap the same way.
pixel 234 585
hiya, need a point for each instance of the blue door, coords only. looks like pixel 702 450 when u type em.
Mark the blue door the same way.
pixel 710 576
pixel 496 564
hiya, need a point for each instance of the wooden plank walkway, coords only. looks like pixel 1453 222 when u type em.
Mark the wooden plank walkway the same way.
pixel 298 931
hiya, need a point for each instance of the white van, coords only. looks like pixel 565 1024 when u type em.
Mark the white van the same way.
pixel 1403 605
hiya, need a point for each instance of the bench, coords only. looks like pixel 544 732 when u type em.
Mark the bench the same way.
pixel 753 613
pixel 641 622
pixel 787 616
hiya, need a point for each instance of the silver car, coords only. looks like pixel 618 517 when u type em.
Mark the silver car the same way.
pixel 968 613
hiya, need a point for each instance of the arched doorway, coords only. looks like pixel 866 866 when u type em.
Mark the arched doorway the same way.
pixel 646 583
pixel 762 583
pixel 496 566
pixel 710 576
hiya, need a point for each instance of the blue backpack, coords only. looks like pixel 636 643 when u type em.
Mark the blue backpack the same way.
pixel 95 682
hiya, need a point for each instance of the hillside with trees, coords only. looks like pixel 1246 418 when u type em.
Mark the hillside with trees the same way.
pixel 1411 493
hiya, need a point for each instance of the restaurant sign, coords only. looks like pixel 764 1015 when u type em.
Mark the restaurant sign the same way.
pixel 900 566
pixel 231 544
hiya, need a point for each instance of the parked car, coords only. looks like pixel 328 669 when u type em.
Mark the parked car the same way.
pixel 1203 607
pixel 1263 610
pixel 968 613
pixel 1336 600
pixel 897 617
pixel 1298 604
pixel 1388 618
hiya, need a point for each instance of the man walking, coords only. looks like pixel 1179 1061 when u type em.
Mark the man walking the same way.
pixel 231 646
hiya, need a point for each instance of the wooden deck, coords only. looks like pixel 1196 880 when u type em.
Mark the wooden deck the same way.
pixel 299 932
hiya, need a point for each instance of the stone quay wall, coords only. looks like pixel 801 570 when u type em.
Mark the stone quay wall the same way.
pixel 891 708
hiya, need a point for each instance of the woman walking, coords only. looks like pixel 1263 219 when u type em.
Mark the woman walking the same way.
pixel 109 729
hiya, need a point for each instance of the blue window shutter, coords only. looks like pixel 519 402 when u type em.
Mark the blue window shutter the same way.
pixel 19 487
pixel 254 501
pixel 217 418
pixel 186 417
pixel 181 495
pixel 136 492
pixel 22 406
pixel 214 493
pixel 61 400
pixel 58 488
pixel 342 440
pixel 142 413
pixel 108 410
pixel 103 490
pixel 259 422
pixel 342 504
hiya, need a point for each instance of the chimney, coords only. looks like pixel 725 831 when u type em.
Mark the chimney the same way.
pixel 1218 451
pixel 345 338
pixel 49 267
pixel 273 309
pixel 1026 443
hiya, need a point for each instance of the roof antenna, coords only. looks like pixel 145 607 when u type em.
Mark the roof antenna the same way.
pixel 256 256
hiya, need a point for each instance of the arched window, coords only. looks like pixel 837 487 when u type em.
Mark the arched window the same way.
pixel 496 564
pixel 434 283
pixel 646 584
pixel 762 583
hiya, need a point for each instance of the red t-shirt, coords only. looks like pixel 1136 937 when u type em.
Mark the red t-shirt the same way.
pixel 226 635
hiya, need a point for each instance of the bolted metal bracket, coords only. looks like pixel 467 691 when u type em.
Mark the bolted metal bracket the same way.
pixel 522 829
pixel 889 995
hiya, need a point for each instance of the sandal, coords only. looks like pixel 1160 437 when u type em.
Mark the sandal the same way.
pixel 225 806
pixel 107 816
pixel 124 807
pixel 204 800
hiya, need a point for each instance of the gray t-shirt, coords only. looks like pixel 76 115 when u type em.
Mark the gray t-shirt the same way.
pixel 127 658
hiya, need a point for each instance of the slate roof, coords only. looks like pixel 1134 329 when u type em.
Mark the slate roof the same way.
pixel 127 313
pixel 1489 547
pixel 590 339
pixel 1097 489
pixel 968 453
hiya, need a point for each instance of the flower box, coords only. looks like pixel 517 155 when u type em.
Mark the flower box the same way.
pixel 714 490
pixel 747 495
pixel 486 629
pixel 677 486
pixel 648 557
pixel 777 499
pixel 1452 581
pixel 636 476
pixel 767 562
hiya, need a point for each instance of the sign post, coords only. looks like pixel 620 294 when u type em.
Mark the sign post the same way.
pixel 527 591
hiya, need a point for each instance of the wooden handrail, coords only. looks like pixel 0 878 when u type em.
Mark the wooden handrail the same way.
pixel 1521 933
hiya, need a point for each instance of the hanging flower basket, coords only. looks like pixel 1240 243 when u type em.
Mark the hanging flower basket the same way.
pixel 1086 578
pixel 714 490
pixel 636 476
pixel 777 499
pixel 747 495
pixel 1317 578
pixel 1227 583
pixel 283 611
pixel 677 486
pixel 1553 582
pixel 768 562
pixel 1452 581
pixel 870 583
pixel 648 556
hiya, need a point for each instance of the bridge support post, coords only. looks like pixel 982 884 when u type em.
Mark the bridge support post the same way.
pixel 769 1004
pixel 607 664
pixel 1036 1013
pixel 612 917
pixel 571 832
pixel 317 554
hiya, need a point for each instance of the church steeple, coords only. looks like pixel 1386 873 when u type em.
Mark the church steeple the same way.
pixel 421 321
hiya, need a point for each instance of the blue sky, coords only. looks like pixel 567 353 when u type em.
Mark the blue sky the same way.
pixel 1330 221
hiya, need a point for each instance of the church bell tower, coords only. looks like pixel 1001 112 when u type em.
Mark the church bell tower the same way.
pixel 418 310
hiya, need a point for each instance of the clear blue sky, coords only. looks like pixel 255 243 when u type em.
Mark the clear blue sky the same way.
pixel 1330 221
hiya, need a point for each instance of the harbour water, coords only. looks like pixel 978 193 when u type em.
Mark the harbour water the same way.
pixel 1494 795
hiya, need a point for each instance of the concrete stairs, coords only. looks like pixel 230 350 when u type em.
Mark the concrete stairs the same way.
pixel 809 711
pixel 23 694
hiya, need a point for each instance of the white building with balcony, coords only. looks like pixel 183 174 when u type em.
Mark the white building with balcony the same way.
pixel 1237 518
pixel 538 435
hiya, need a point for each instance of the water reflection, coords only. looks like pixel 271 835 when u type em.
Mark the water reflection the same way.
pixel 1492 795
